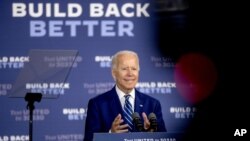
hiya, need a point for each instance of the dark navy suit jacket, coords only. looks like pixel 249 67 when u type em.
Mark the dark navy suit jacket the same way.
pixel 103 109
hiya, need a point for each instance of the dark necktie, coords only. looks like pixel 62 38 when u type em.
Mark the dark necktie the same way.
pixel 128 112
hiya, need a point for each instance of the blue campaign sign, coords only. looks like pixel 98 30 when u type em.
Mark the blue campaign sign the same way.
pixel 151 136
pixel 96 30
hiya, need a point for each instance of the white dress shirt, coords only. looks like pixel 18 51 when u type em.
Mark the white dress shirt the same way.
pixel 121 95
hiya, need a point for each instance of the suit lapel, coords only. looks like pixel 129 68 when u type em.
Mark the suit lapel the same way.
pixel 115 104
pixel 138 102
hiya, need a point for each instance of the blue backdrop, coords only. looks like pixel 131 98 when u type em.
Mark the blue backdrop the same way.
pixel 174 69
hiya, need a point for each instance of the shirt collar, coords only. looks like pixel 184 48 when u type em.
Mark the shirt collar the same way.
pixel 121 93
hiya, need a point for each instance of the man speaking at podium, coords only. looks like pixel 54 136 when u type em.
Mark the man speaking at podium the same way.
pixel 112 111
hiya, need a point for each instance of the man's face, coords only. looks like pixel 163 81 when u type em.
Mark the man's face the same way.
pixel 126 72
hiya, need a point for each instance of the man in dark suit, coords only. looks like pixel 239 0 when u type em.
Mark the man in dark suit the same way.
pixel 106 111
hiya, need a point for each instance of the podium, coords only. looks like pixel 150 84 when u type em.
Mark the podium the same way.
pixel 139 136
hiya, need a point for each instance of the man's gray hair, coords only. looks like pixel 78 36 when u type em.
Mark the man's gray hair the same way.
pixel 115 57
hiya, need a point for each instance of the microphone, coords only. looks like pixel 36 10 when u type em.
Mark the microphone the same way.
pixel 153 122
pixel 137 122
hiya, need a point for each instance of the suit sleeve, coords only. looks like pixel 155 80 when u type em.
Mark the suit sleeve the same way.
pixel 92 121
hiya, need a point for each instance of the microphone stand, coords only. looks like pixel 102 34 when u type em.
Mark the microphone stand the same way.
pixel 31 98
